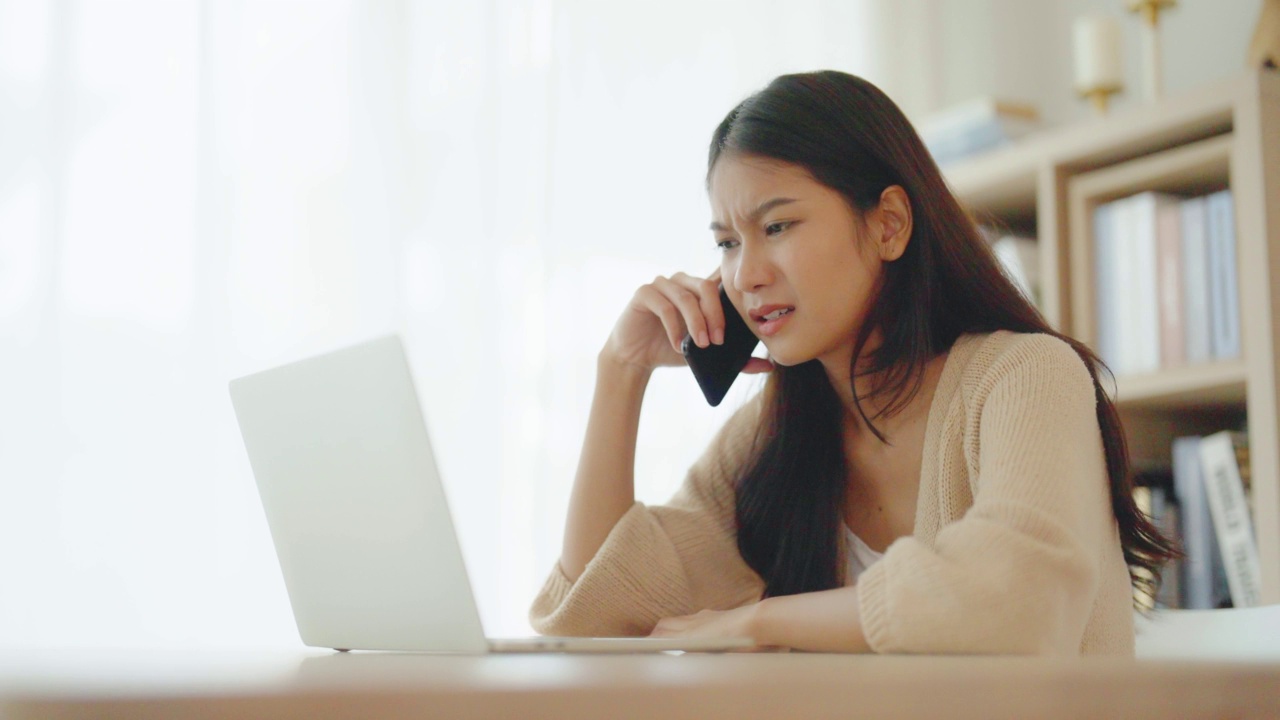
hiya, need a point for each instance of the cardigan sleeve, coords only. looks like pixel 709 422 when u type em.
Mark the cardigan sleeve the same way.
pixel 663 561
pixel 1018 571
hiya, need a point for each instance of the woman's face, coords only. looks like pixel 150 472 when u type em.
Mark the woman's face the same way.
pixel 798 262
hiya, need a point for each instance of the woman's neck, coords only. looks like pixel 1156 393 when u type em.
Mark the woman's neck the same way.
pixel 838 373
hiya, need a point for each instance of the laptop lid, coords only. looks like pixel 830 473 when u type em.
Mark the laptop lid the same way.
pixel 355 505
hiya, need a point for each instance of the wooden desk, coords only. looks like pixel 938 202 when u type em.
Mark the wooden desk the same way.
pixel 319 685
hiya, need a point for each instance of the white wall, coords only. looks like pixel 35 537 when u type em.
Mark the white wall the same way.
pixel 191 190
pixel 1022 50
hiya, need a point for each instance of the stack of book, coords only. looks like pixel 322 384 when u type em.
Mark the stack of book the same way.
pixel 1165 268
pixel 1211 485
pixel 975 127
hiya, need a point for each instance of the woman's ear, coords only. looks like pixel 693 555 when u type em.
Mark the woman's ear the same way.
pixel 891 223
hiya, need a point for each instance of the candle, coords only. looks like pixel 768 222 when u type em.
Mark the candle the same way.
pixel 1097 46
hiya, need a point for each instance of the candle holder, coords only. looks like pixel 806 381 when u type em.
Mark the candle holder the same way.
pixel 1098 68
pixel 1152 64
pixel 1099 96
pixel 1264 49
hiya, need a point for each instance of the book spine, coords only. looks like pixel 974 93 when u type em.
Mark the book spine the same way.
pixel 1104 269
pixel 1169 281
pixel 1142 500
pixel 1195 274
pixel 1199 543
pixel 1166 515
pixel 1123 256
pixel 1225 289
pixel 1231 522
pixel 1145 304
pixel 1154 502
pixel 1147 263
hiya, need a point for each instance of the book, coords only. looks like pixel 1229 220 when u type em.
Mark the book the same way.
pixel 1124 302
pixel 1197 316
pixel 1143 299
pixel 1104 273
pixel 975 126
pixel 1142 500
pixel 1167 516
pixel 1169 281
pixel 1231 521
pixel 1129 301
pixel 1166 281
pixel 1135 298
pixel 1141 261
pixel 1224 290
pixel 1157 503
pixel 1203 576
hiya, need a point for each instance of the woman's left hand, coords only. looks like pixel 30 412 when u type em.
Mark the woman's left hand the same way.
pixel 736 623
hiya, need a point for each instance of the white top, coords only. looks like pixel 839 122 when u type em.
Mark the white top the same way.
pixel 860 555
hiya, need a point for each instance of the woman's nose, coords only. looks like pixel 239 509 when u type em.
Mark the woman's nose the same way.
pixel 754 270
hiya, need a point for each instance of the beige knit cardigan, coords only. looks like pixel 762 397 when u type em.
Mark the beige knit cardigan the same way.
pixel 1015 548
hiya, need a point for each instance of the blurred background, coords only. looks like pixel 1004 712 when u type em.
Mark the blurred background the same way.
pixel 191 190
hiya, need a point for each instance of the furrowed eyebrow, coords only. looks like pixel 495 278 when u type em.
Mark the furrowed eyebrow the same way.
pixel 758 212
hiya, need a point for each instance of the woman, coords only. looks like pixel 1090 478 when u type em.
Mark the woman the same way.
pixel 930 467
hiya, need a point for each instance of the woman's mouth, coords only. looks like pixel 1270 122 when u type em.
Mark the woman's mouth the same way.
pixel 770 319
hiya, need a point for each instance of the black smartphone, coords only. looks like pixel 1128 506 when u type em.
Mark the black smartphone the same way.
pixel 716 366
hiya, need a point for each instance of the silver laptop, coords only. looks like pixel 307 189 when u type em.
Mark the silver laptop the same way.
pixel 358 514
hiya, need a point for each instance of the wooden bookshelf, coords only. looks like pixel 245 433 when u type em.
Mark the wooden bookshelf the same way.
pixel 1214 384
pixel 1224 135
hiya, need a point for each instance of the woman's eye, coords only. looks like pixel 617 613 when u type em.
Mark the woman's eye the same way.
pixel 727 244
pixel 775 228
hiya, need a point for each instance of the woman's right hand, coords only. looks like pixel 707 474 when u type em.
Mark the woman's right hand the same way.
pixel 660 314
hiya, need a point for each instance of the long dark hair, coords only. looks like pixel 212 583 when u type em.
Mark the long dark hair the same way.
pixel 852 138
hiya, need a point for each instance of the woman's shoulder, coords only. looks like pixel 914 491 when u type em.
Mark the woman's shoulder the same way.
pixel 1024 383
pixel 992 357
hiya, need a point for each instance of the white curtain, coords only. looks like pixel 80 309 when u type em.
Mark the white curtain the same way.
pixel 193 190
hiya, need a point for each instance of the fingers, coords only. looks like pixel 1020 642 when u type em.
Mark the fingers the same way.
pixel 652 298
pixel 685 305
pixel 757 365
pixel 762 649
pixel 707 291
pixel 667 627
pixel 697 304
pixel 706 623
pixel 689 304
